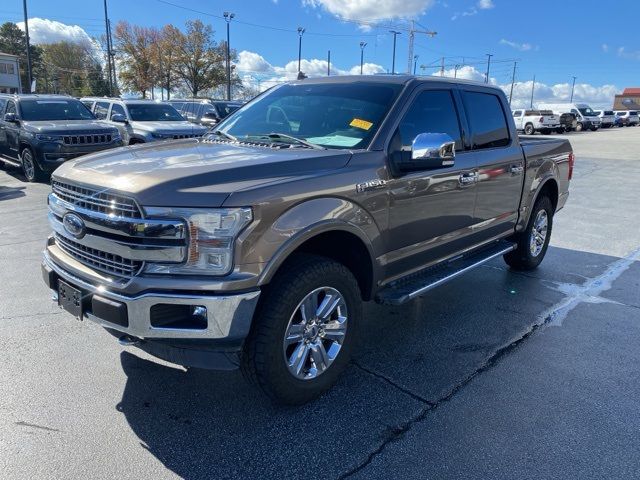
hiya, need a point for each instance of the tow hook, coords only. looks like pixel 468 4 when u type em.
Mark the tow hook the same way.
pixel 128 340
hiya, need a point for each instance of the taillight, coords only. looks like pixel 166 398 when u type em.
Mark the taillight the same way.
pixel 572 160
pixel 541 119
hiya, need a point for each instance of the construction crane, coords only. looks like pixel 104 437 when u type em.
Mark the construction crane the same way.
pixel 412 33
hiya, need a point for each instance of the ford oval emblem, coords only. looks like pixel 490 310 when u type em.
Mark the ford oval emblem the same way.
pixel 74 225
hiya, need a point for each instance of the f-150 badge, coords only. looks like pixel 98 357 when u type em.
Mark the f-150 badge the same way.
pixel 370 185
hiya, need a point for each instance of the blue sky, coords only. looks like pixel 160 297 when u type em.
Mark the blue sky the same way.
pixel 552 40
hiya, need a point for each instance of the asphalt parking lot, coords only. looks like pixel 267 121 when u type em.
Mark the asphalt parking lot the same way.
pixel 495 375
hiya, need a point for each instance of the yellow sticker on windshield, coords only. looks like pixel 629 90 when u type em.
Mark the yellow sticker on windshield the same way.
pixel 363 124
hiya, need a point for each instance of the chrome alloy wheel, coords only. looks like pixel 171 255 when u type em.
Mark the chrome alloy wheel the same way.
pixel 315 333
pixel 538 233
pixel 27 164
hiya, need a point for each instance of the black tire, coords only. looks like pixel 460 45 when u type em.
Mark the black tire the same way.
pixel 529 130
pixel 594 129
pixel 560 131
pixel 522 258
pixel 30 168
pixel 546 132
pixel 263 360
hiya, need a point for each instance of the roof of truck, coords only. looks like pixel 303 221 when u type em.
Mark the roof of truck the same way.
pixel 390 79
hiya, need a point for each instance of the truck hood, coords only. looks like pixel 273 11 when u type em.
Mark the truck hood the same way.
pixel 61 127
pixel 194 173
pixel 168 127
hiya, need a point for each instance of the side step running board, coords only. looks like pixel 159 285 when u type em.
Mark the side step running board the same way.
pixel 414 285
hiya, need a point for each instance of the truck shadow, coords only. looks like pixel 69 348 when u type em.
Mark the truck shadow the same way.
pixel 9 193
pixel 203 424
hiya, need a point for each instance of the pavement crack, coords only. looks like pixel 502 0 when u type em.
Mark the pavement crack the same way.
pixel 391 382
pixel 33 425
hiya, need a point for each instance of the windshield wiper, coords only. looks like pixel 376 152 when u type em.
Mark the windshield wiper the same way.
pixel 284 136
pixel 220 133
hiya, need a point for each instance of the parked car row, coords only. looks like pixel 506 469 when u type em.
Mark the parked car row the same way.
pixel 40 132
pixel 567 117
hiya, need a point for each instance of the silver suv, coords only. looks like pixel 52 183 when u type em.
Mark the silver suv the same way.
pixel 204 111
pixel 142 121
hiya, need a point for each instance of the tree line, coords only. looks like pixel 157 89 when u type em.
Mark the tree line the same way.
pixel 188 62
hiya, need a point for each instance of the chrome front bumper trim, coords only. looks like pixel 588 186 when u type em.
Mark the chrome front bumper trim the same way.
pixel 228 316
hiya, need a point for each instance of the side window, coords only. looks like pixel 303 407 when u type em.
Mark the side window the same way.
pixel 178 105
pixel 487 120
pixel 188 109
pixel 517 113
pixel 3 103
pixel 101 110
pixel 11 107
pixel 117 109
pixel 197 110
pixel 432 111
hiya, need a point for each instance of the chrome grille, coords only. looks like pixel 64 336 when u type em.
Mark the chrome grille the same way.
pixel 96 200
pixel 105 262
pixel 187 135
pixel 93 139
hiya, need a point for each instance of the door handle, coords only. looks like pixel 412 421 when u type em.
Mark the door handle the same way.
pixel 516 169
pixel 468 178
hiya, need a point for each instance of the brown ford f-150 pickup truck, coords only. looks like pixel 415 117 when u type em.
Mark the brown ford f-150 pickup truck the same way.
pixel 256 246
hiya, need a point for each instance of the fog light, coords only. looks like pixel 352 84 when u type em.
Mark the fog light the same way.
pixel 189 317
pixel 199 313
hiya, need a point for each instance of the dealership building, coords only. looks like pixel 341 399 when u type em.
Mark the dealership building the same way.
pixel 9 74
pixel 629 100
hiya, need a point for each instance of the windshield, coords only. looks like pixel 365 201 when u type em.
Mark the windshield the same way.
pixel 226 108
pixel 587 112
pixel 46 110
pixel 153 112
pixel 329 115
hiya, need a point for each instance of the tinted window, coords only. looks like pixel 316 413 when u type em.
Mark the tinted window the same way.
pixel 3 102
pixel 487 121
pixel 608 112
pixel 117 109
pixel 177 105
pixel 11 107
pixel 153 112
pixel 633 113
pixel 188 109
pixel 101 110
pixel 58 109
pixel 432 111
pixel 517 113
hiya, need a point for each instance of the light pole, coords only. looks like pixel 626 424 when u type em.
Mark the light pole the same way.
pixel 533 88
pixel 415 63
pixel 572 88
pixel 393 62
pixel 486 79
pixel 228 16
pixel 300 33
pixel 362 45
pixel 26 34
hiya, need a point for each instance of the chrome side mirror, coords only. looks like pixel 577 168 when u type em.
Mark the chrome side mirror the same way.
pixel 435 146
pixel 119 118
pixel 10 117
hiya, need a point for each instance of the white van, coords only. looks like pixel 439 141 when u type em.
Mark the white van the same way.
pixel 587 118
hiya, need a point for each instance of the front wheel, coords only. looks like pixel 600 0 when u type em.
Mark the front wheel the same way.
pixel 532 243
pixel 30 168
pixel 304 330
pixel 528 129
pixel 579 127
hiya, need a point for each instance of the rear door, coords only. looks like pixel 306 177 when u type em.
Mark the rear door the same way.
pixel 500 161
pixel 430 211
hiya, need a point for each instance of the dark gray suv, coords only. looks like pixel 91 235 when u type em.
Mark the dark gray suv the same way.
pixel 40 132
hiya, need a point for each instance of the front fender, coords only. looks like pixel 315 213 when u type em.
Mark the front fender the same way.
pixel 306 220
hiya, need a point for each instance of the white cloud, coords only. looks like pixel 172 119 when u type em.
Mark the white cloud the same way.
pixel 485 4
pixel 469 12
pixel 252 62
pixel 372 10
pixel 631 55
pixel 466 72
pixel 523 47
pixel 42 31
pixel 605 47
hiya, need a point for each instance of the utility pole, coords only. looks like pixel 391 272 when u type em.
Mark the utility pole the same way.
pixel 362 45
pixel 455 70
pixel 112 61
pixel 572 88
pixel 486 78
pixel 228 16
pixel 393 62
pixel 412 32
pixel 26 34
pixel 415 63
pixel 300 33
pixel 442 67
pixel 533 87
pixel 328 63
pixel 513 80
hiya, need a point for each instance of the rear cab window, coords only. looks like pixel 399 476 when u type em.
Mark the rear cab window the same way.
pixel 487 120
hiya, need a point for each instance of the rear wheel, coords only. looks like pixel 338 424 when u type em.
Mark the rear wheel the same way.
pixel 532 243
pixel 528 129
pixel 30 168
pixel 304 329
pixel 579 127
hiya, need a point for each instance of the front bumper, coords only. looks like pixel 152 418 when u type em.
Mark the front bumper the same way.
pixel 228 316
pixel 50 155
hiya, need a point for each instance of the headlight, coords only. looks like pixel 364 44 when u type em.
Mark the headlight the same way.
pixel 43 137
pixel 212 234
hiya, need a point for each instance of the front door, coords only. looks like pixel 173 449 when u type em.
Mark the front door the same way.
pixel 430 211
pixel 12 133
